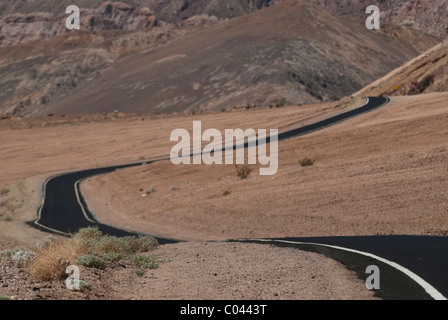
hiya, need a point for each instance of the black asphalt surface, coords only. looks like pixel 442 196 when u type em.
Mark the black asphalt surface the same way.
pixel 65 211
pixel 426 256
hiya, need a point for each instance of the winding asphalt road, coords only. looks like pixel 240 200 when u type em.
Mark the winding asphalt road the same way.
pixel 411 267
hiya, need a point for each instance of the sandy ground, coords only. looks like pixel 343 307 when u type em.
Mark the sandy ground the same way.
pixel 37 148
pixel 385 172
pixel 34 149
pixel 204 270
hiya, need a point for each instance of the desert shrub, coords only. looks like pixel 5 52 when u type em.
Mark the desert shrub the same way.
pixel 22 257
pixel 112 256
pixel 6 255
pixel 110 244
pixel 306 162
pixel 145 262
pixel 226 192
pixel 94 242
pixel 91 261
pixel 142 244
pixel 4 297
pixel 52 259
pixel 86 238
pixel 49 261
pixel 140 273
pixel 88 234
pixel 84 285
pixel 243 172
pixel 123 245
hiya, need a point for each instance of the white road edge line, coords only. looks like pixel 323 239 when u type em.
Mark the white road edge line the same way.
pixel 79 201
pixel 433 292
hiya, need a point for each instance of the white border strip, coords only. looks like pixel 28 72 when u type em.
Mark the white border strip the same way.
pixel 436 295
pixel 78 198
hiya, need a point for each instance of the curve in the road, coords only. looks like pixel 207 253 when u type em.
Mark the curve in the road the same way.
pixel 64 211
pixel 394 276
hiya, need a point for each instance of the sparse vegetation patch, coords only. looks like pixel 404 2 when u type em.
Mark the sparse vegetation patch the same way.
pixel 89 248
pixel 243 172
pixel 306 162
pixel 140 273
pixel 84 286
pixel 113 257
pixel 145 262
pixel 91 261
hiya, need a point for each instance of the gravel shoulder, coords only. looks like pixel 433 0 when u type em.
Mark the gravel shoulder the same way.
pixel 204 271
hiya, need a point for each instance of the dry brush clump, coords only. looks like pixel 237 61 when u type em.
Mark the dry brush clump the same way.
pixel 306 162
pixel 89 247
pixel 243 172
pixel 53 258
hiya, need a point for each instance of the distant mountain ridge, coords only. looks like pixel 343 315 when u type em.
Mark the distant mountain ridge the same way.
pixel 167 10
pixel 24 20
pixel 129 59
pixel 289 53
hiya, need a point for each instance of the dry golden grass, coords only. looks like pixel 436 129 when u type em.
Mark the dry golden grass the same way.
pixel 53 258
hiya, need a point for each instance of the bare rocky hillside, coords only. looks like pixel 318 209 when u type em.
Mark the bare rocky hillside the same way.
pixel 127 58
pixel 425 74
pixel 26 20
pixel 429 16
